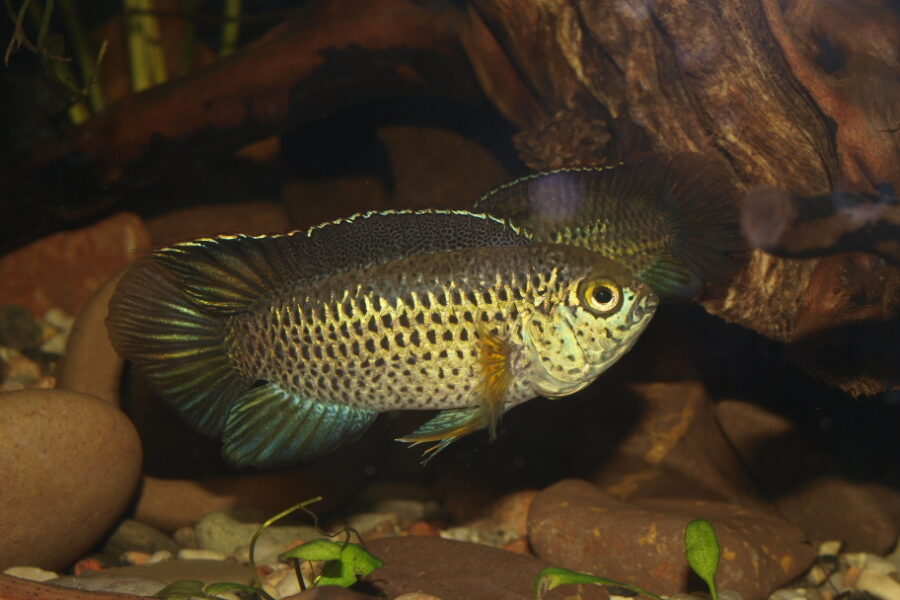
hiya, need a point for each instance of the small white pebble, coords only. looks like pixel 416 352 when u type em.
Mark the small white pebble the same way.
pixel 58 318
pixel 831 548
pixel 416 596
pixel 880 584
pixel 288 586
pixel 198 554
pixel 30 573
pixel 135 557
pixel 159 556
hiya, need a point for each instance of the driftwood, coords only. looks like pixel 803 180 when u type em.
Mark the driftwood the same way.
pixel 802 95
pixel 795 226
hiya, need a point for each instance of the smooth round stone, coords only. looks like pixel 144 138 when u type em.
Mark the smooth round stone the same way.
pixel 90 364
pixel 69 465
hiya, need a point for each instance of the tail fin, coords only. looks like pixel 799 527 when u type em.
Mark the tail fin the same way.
pixel 176 345
pixel 701 196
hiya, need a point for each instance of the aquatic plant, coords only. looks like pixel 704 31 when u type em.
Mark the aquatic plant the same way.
pixel 344 562
pixel 701 548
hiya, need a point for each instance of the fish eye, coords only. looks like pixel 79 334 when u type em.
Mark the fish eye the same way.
pixel 601 296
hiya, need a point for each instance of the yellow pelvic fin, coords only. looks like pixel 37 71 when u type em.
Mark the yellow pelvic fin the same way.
pixel 495 357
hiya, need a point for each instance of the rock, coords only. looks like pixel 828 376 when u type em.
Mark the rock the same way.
pixel 676 450
pixel 163 573
pixel 810 490
pixel 53 504
pixel 510 513
pixel 121 585
pixel 330 592
pixel 63 270
pixel 251 218
pixel 346 196
pixel 454 570
pixel 227 530
pixel 373 525
pixel 881 585
pixel 30 573
pixel 575 525
pixel 201 554
pixel 22 373
pixel 133 535
pixel 18 329
pixel 426 164
pixel 410 502
pixel 479 535
pixel 90 364
pixel 172 503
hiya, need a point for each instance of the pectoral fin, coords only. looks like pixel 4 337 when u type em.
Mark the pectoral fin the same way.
pixel 449 425
pixel 495 355
pixel 445 428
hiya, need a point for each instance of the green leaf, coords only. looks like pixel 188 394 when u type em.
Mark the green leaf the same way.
pixel 553 577
pixel 227 586
pixel 315 550
pixel 701 547
pixel 359 560
pixel 181 589
pixel 344 562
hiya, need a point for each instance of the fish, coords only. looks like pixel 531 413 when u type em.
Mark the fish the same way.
pixel 670 219
pixel 288 346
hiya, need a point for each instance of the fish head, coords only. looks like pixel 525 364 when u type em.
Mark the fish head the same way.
pixel 597 319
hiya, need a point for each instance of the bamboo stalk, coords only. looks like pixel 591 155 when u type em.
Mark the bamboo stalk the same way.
pixel 83 56
pixel 145 53
pixel 231 27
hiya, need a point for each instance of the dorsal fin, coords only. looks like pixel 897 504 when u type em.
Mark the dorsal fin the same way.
pixel 670 218
pixel 228 274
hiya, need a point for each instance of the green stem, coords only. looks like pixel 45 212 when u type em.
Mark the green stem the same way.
pixel 231 27
pixel 264 526
pixel 83 55
pixel 189 44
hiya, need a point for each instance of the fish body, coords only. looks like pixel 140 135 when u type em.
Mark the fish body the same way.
pixel 458 312
pixel 671 220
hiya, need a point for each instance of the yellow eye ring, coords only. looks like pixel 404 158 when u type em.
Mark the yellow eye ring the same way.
pixel 602 297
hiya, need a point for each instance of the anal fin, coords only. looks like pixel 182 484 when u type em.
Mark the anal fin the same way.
pixel 269 427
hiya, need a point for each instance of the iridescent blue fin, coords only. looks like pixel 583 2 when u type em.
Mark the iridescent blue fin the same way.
pixel 269 427
pixel 445 428
pixel 175 344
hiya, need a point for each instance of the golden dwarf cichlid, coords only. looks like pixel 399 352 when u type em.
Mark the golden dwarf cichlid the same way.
pixel 671 220
pixel 288 346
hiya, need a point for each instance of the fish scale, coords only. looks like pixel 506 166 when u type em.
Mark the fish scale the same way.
pixel 289 346
pixel 398 343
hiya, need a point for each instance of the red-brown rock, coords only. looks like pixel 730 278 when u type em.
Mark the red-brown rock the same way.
pixel 809 489
pixel 575 525
pixel 454 570
pixel 64 269
pixel 251 218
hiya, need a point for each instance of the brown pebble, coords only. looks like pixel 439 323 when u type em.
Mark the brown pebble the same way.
pixel 423 528
pixel 520 545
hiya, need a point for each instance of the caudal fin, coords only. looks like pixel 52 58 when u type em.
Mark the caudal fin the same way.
pixel 178 346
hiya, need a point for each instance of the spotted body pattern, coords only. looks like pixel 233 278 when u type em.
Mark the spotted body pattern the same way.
pixel 293 373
